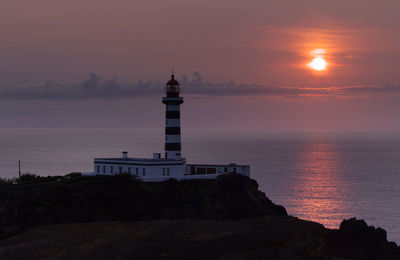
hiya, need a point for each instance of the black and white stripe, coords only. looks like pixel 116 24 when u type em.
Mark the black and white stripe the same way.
pixel 173 145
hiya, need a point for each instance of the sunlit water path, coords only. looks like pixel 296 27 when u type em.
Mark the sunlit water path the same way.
pixel 318 176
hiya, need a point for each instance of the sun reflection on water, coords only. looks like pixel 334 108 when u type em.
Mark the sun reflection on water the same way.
pixel 320 194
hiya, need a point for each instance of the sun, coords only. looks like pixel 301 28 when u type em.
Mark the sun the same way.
pixel 318 63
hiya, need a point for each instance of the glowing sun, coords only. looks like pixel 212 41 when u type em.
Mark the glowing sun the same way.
pixel 318 63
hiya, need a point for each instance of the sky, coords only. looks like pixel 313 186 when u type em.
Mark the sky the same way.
pixel 242 65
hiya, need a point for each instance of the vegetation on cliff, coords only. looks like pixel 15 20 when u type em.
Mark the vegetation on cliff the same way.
pixel 55 200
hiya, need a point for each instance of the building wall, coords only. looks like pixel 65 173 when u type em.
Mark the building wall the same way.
pixel 172 122
pixel 173 108
pixel 172 138
pixel 201 169
pixel 160 171
pixel 173 145
pixel 140 170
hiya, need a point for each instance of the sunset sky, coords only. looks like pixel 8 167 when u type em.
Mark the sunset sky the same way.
pixel 242 64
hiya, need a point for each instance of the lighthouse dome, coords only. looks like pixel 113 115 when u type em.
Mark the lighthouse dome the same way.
pixel 172 81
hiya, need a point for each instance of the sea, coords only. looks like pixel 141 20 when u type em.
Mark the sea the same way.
pixel 320 176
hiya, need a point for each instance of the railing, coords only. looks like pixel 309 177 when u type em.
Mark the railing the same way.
pixel 172 89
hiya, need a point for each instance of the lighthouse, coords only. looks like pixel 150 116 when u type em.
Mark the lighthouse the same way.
pixel 172 102
pixel 172 165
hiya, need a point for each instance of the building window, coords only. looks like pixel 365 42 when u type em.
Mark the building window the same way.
pixel 165 171
pixel 104 169
pixel 129 170
pixel 144 171
pixel 111 169
pixel 137 171
pixel 211 170
pixel 98 169
pixel 234 170
pixel 166 138
pixel 225 169
pixel 120 170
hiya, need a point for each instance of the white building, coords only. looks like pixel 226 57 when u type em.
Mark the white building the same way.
pixel 172 165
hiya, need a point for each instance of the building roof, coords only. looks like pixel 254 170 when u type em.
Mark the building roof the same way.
pixel 219 165
pixel 172 81
pixel 129 159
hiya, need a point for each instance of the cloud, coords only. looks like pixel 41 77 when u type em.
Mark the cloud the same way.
pixel 97 87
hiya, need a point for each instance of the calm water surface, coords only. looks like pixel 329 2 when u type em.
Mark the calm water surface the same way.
pixel 318 176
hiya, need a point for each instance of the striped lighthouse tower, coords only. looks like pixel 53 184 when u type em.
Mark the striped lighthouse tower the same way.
pixel 172 102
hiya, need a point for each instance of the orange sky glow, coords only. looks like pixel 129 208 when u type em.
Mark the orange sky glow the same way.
pixel 50 50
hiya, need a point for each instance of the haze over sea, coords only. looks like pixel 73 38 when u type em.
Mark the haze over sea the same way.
pixel 319 176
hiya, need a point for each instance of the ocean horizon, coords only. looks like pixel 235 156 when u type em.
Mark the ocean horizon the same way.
pixel 320 176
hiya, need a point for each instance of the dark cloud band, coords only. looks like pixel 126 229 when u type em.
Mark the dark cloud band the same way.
pixel 96 87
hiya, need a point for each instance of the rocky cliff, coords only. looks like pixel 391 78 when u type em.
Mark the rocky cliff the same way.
pixel 121 217
pixel 123 197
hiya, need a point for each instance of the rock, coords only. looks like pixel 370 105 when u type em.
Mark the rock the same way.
pixel 356 240
pixel 9 230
